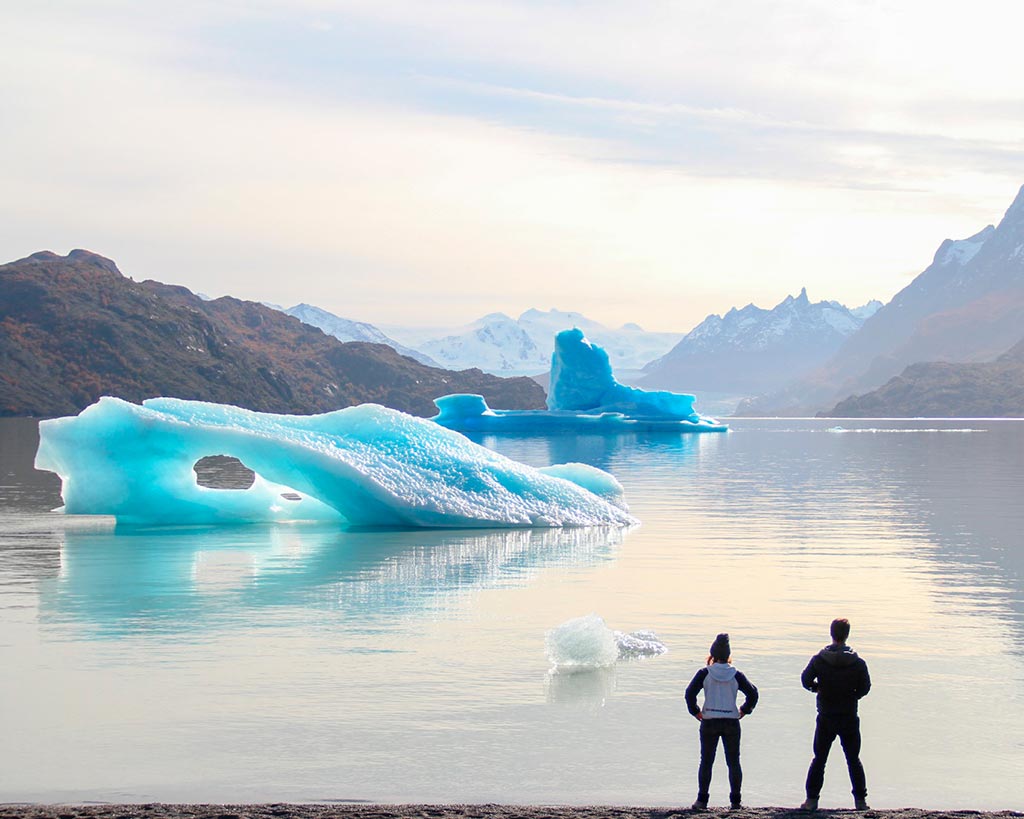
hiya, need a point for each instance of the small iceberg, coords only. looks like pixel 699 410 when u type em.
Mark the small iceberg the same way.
pixel 360 466
pixel 587 644
pixel 583 397
pixel 638 644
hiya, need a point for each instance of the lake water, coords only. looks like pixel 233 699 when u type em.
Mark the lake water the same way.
pixel 305 663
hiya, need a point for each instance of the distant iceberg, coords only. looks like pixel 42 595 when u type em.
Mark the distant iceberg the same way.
pixel 583 397
pixel 361 466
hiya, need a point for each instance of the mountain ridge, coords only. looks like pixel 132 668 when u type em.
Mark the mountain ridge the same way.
pixel 499 343
pixel 967 305
pixel 345 329
pixel 73 328
pixel 748 349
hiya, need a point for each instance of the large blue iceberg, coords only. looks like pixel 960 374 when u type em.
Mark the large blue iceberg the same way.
pixel 583 396
pixel 363 466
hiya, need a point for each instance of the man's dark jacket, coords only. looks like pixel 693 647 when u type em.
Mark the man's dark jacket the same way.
pixel 839 676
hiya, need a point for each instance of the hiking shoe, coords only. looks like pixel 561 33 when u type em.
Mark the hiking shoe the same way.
pixel 860 803
pixel 736 806
pixel 809 804
pixel 699 805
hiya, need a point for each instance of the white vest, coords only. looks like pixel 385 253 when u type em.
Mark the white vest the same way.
pixel 720 689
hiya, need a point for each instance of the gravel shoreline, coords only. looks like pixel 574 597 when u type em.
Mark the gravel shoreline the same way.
pixel 349 811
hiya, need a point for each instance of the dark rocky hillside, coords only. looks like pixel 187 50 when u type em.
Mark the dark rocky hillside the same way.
pixel 73 328
pixel 943 389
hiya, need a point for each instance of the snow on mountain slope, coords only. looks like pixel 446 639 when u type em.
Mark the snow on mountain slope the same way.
pixel 495 344
pixel 629 347
pixel 500 344
pixel 345 329
pixel 866 311
pixel 751 349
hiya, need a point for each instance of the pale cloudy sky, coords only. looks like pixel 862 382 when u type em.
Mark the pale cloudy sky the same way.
pixel 403 161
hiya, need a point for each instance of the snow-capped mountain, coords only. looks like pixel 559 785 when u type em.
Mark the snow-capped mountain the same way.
pixel 751 349
pixel 500 344
pixel 629 347
pixel 495 344
pixel 967 305
pixel 345 329
pixel 866 311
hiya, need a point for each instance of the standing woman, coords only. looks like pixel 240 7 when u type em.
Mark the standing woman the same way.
pixel 720 718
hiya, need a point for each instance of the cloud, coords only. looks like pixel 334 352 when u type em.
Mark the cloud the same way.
pixel 397 164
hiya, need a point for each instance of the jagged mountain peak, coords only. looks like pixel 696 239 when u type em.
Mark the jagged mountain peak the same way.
pixel 968 304
pixel 800 299
pixel 752 347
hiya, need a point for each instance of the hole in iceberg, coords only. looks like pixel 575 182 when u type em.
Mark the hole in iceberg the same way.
pixel 223 472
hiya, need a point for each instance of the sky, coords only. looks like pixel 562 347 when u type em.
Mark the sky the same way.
pixel 426 163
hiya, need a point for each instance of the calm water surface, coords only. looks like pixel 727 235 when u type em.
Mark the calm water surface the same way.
pixel 305 663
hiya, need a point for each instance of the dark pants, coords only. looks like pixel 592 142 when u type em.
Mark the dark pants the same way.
pixel 847 728
pixel 710 731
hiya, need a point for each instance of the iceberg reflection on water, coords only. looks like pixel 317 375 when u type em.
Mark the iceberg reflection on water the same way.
pixel 177 581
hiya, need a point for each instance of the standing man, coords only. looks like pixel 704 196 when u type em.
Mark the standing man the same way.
pixel 840 679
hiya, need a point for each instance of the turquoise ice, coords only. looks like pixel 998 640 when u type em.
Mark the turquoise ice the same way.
pixel 583 397
pixel 361 466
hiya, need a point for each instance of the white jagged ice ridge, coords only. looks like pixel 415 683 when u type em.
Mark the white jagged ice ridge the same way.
pixel 365 466
pixel 587 643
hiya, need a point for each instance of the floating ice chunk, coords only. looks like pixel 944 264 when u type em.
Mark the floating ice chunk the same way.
pixel 586 643
pixel 470 413
pixel 365 465
pixel 639 644
pixel 582 381
pixel 900 430
pixel 583 397
pixel 582 644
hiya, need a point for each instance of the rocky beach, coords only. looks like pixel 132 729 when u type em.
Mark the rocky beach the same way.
pixel 367 811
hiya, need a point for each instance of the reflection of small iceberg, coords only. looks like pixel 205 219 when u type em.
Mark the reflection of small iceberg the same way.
pixel 583 397
pixel 589 689
pixel 586 643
